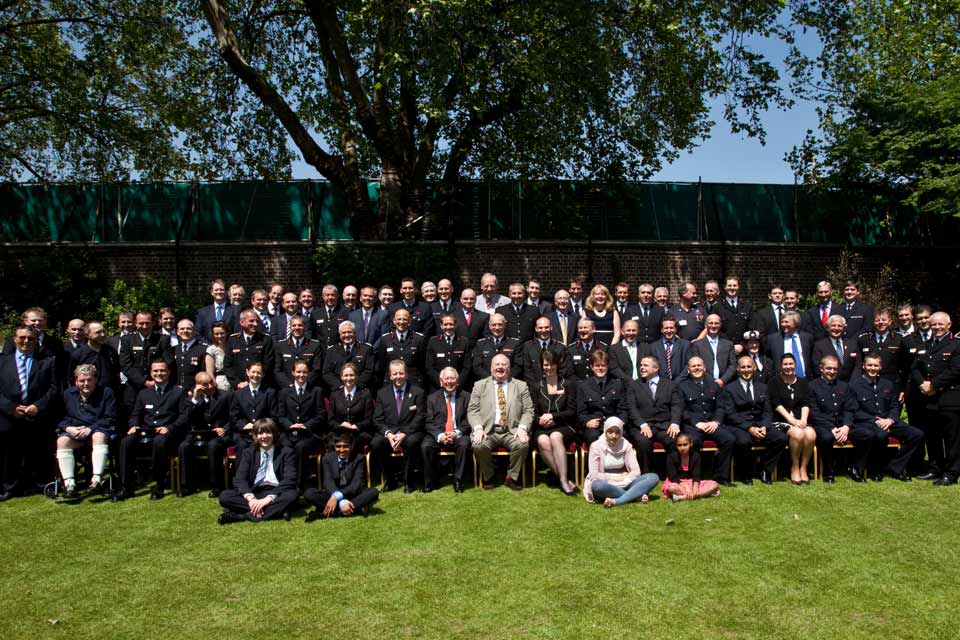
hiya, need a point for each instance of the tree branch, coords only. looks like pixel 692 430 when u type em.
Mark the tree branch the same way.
pixel 462 145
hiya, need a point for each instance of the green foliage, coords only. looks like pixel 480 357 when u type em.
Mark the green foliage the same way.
pixel 361 265
pixel 888 80
pixel 830 562
pixel 150 296
pixel 885 288
pixel 10 319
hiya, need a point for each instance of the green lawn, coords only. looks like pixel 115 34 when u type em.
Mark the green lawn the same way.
pixel 844 561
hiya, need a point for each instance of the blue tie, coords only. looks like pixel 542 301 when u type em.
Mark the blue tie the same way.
pixel 796 356
pixel 262 469
pixel 219 313
pixel 22 370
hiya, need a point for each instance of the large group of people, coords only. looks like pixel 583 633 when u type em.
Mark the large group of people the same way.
pixel 288 385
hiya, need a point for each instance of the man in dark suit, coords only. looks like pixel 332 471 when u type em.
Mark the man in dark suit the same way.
pixel 671 352
pixel 745 412
pixel 700 395
pixel 421 317
pixel 326 319
pixel 621 295
pixel 799 343
pixel 445 303
pixel 125 325
pixel 280 328
pixel 859 314
pixel 137 351
pixel 655 408
pixel 220 310
pixel 77 330
pixel 265 485
pixel 28 391
pixel 876 418
pixel 48 345
pixel 519 315
pixel 207 416
pixel 399 416
pixel 245 347
pixel 447 350
pixel 349 350
pixel 345 491
pixel 648 315
pixel 157 424
pixel 251 401
pixel 625 355
pixel 188 355
pixel 369 321
pixel 831 412
pixel 402 343
pixel 735 313
pixel 816 319
pixel 259 302
pixel 496 343
pixel 935 385
pixel 718 353
pixel 98 353
pixel 766 320
pixel 891 348
pixel 275 300
pixel 534 300
pixel 563 321
pixel 447 428
pixel 303 418
pixel 471 322
pixel 834 344
pixel 531 350
pixel 578 353
pixel 297 348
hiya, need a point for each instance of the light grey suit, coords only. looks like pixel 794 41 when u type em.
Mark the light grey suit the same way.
pixel 482 417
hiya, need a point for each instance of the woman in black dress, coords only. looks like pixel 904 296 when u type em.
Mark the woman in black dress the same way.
pixel 555 404
pixel 788 397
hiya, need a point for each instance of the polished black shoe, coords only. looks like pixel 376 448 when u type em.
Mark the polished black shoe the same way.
pixel 120 496
pixel 409 488
pixel 316 514
pixel 512 484
pixel 945 481
pixel 390 486
pixel 765 477
pixel 457 486
pixel 724 483
pixel 156 494
pixel 427 489
pixel 902 477
pixel 878 477
pixel 747 481
pixel 929 475
pixel 855 475
pixel 229 517
pixel 214 493
pixel 829 479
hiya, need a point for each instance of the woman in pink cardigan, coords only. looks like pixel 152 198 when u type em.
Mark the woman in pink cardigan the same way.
pixel 614 476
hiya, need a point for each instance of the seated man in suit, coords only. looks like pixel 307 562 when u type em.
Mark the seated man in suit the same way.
pixel 157 423
pixel 655 410
pixel 265 485
pixel 399 416
pixel 207 411
pixel 700 394
pixel 345 491
pixel 28 390
pixel 831 413
pixel 876 418
pixel 447 426
pixel 250 403
pixel 745 412
pixel 90 415
pixel 302 417
pixel 718 354
pixel 500 414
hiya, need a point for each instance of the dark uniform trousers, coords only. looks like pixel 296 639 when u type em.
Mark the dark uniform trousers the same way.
pixel 202 440
pixel 151 411
pixel 870 450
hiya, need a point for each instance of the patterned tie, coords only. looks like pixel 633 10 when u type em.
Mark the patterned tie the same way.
pixel 262 469
pixel 22 370
pixel 669 354
pixel 840 351
pixel 289 332
pixel 366 325
pixel 502 404
pixel 448 426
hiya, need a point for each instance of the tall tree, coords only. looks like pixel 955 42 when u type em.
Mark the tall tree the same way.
pixel 888 81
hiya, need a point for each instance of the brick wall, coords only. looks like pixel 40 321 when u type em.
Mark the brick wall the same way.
pixel 924 273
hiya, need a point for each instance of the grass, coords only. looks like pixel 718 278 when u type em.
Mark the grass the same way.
pixel 844 561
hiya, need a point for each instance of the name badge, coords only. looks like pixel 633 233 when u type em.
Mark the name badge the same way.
pixel 137 348
pixel 389 349
pixel 149 406
pixel 441 355
pixel 577 357
pixel 682 323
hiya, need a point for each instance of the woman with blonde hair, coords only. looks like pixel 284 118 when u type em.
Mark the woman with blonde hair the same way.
pixel 606 319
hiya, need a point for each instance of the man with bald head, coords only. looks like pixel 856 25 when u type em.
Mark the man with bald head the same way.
pixel 562 319
pixel 471 322
pixel 935 378
pixel 402 343
pixel 77 330
pixel 500 414
pixel 188 354
pixel 496 343
pixel 207 411
pixel 490 298
pixel 97 352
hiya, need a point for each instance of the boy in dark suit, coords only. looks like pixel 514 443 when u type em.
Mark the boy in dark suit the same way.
pixel 344 491
pixel 266 482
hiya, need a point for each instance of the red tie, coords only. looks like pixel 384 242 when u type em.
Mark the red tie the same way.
pixel 823 316
pixel 448 428
pixel 469 317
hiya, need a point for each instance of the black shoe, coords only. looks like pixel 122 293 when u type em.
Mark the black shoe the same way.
pixel 409 488
pixel 747 481
pixel 229 517
pixel 285 515
pixel 877 477
pixel 724 483
pixel 457 486
pixel 156 494
pixel 214 493
pixel 945 481
pixel 427 489
pixel 316 514
pixel 855 475
pixel 766 477
pixel 186 492
pixel 120 496
pixel 512 484
pixel 902 477
pixel 390 486
pixel 487 485
pixel 829 479
pixel 929 475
